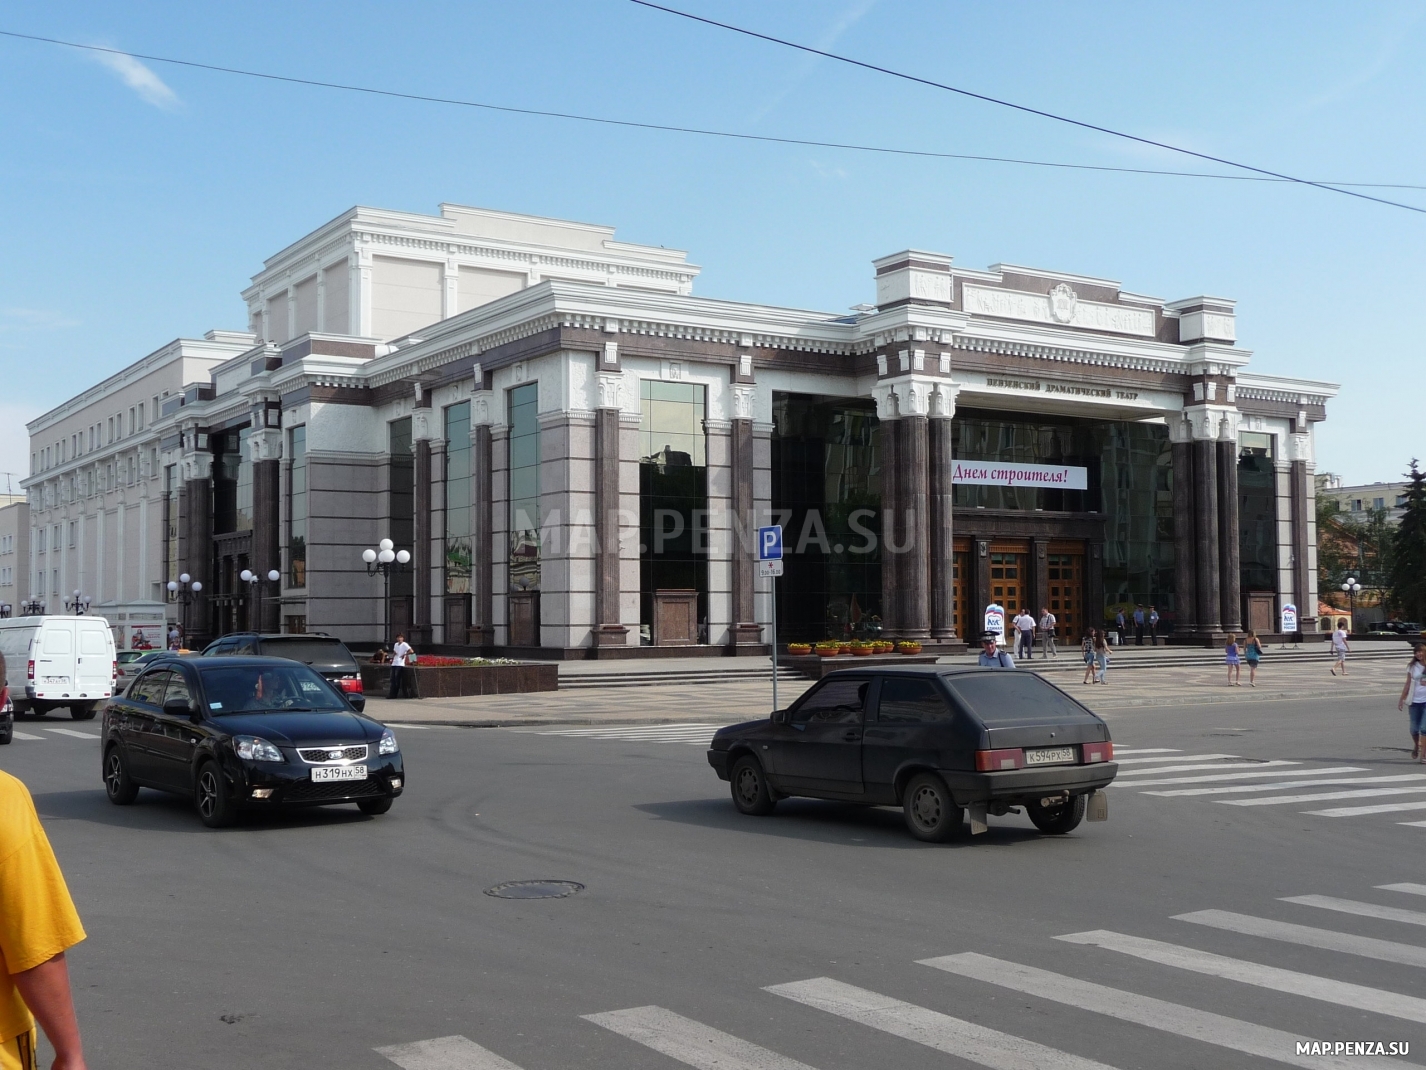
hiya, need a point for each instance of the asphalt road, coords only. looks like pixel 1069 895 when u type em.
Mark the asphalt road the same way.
pixel 314 940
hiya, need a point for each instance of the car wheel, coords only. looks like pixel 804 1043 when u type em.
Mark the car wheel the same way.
pixel 121 790
pixel 81 713
pixel 376 806
pixel 213 799
pixel 8 735
pixel 751 794
pixel 1064 816
pixel 931 814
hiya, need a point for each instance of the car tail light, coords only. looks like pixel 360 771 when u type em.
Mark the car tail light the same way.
pixel 114 671
pixel 992 761
pixel 350 684
pixel 30 672
pixel 1097 752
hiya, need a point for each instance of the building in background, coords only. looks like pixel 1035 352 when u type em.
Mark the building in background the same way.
pixel 14 553
pixel 574 450
pixel 1359 501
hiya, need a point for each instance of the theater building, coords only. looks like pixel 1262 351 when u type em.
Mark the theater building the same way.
pixel 575 451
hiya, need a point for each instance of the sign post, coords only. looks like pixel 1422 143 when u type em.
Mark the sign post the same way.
pixel 770 565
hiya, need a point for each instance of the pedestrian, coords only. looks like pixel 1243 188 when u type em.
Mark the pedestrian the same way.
pixel 1340 647
pixel 1252 654
pixel 1101 659
pixel 1154 625
pixel 1138 625
pixel 1119 625
pixel 1415 689
pixel 1024 634
pixel 174 639
pixel 990 656
pixel 1047 633
pixel 38 924
pixel 1233 656
pixel 1086 649
pixel 400 651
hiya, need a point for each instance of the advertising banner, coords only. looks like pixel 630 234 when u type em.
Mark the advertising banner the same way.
pixel 995 619
pixel 1289 618
pixel 1013 474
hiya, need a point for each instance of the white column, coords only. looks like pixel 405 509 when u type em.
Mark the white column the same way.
pixel 450 303
pixel 121 516
pixel 360 272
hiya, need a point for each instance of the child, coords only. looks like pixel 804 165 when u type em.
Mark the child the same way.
pixel 1252 653
pixel 1340 647
pixel 1235 662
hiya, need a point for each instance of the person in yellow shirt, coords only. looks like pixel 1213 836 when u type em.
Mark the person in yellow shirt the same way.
pixel 38 923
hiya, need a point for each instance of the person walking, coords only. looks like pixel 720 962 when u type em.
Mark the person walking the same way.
pixel 38 924
pixel 1233 656
pixel 1415 689
pixel 1086 649
pixel 1139 620
pixel 1154 625
pixel 990 656
pixel 1101 659
pixel 400 651
pixel 1047 633
pixel 1252 654
pixel 1120 627
pixel 1024 634
pixel 1340 647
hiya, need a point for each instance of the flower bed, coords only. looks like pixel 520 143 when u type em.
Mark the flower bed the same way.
pixel 433 676
pixel 441 661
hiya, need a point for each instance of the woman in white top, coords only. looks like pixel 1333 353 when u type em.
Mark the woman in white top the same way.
pixel 1415 689
pixel 1340 649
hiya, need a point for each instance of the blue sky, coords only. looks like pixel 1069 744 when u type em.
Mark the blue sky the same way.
pixel 138 199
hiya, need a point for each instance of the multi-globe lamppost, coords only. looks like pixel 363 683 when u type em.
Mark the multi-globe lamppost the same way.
pixel 185 589
pixel 78 603
pixel 383 562
pixel 1353 588
pixel 254 582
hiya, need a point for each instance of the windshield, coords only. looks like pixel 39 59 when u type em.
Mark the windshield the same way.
pixel 323 653
pixel 267 689
pixel 1000 697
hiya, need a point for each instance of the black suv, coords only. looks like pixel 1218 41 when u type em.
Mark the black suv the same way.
pixel 325 653
pixel 936 741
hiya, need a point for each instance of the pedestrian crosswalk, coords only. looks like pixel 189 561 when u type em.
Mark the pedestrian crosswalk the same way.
pixel 1246 783
pixel 698 734
pixel 71 733
pixel 1353 1024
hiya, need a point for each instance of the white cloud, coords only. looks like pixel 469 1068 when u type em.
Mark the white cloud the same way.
pixel 149 86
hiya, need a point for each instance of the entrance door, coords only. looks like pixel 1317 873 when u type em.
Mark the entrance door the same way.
pixel 1010 576
pixel 960 593
pixel 1066 589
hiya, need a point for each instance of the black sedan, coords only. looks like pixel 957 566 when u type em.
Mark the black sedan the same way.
pixel 935 741
pixel 246 733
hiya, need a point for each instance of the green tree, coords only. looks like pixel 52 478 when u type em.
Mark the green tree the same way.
pixel 1408 566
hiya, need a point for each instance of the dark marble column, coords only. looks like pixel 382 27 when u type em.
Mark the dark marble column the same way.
pixel 197 558
pixel 421 551
pixel 1205 528
pixel 942 545
pixel 1039 568
pixel 1302 591
pixel 916 506
pixel 1184 544
pixel 607 631
pixel 266 546
pixel 745 630
pixel 481 608
pixel 891 525
pixel 1229 558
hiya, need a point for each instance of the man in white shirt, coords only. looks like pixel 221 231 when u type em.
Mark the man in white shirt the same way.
pixel 1024 635
pixel 399 653
pixel 1048 623
pixel 1340 647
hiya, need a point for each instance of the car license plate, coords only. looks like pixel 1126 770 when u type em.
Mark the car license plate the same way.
pixel 1050 756
pixel 338 772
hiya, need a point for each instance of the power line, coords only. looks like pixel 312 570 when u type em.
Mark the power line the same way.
pixel 674 129
pixel 1020 107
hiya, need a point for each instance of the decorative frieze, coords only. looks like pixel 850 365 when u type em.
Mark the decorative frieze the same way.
pixel 1061 307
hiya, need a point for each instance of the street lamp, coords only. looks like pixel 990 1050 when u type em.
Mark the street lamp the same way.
pixel 78 603
pixel 6 609
pixel 254 582
pixel 185 589
pixel 32 607
pixel 382 562
pixel 1353 588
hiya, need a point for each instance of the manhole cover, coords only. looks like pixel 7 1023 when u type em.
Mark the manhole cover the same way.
pixel 535 889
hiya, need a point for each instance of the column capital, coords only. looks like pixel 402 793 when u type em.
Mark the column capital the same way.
pixel 483 410
pixel 915 395
pixel 265 445
pixel 611 388
pixel 1206 423
pixel 196 465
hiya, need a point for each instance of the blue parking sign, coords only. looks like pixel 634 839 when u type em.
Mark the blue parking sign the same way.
pixel 770 543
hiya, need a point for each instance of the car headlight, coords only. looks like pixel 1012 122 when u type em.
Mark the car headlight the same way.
pixel 387 744
pixel 257 749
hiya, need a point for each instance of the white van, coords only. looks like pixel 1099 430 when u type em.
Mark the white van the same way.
pixel 59 661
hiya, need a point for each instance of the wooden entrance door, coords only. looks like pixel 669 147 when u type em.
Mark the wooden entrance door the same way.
pixel 1010 576
pixel 961 616
pixel 1065 596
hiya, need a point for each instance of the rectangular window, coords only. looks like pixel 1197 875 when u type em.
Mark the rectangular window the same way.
pixel 232 482
pixel 111 428
pixel 297 508
pixel 141 415
pixel 133 418
pixel 458 519
pixel 73 532
pixel 524 487
pixel 673 497
pixel 1378 503
pixel 40 544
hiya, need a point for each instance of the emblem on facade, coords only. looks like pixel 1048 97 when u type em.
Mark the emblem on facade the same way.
pixel 1062 303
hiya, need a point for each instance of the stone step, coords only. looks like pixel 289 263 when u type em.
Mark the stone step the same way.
pixel 673 677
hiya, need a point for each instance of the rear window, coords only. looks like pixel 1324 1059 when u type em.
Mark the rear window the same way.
pixel 1012 697
pixel 320 653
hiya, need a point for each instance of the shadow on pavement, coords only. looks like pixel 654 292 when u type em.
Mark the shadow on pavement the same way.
pixel 158 811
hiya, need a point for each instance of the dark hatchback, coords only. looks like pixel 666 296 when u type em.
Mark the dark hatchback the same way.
pixel 325 653
pixel 935 741
pixel 245 733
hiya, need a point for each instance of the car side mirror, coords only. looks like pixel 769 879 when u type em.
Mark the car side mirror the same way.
pixel 178 707
pixel 779 717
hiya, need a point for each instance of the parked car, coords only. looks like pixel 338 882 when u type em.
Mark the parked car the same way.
pixel 240 733
pixel 325 653
pixel 129 664
pixel 1395 627
pixel 7 707
pixel 935 741
pixel 69 662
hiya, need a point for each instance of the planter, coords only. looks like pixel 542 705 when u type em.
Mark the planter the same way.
pixel 908 648
pixel 862 651
pixel 798 650
pixel 844 648
pixel 453 681
pixel 828 651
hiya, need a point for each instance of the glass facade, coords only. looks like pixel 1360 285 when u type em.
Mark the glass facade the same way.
pixel 673 497
pixel 826 485
pixel 524 488
pixel 297 508
pixel 232 482
pixel 170 525
pixel 458 529
pixel 1257 512
pixel 402 530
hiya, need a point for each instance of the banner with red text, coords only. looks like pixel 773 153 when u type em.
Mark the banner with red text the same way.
pixel 1013 474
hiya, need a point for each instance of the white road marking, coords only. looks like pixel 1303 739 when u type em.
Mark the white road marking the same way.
pixel 965 1040
pixel 1410 889
pixel 1364 910
pixel 1362 811
pixel 1146 750
pixel 1154 770
pixel 1343 994
pixel 1281 785
pixel 72 732
pixel 26 735
pixel 1326 796
pixel 690 1042
pixel 445 1053
pixel 1246 776
pixel 1143 1010
pixel 1176 758
pixel 1413 824
pixel 1326 939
